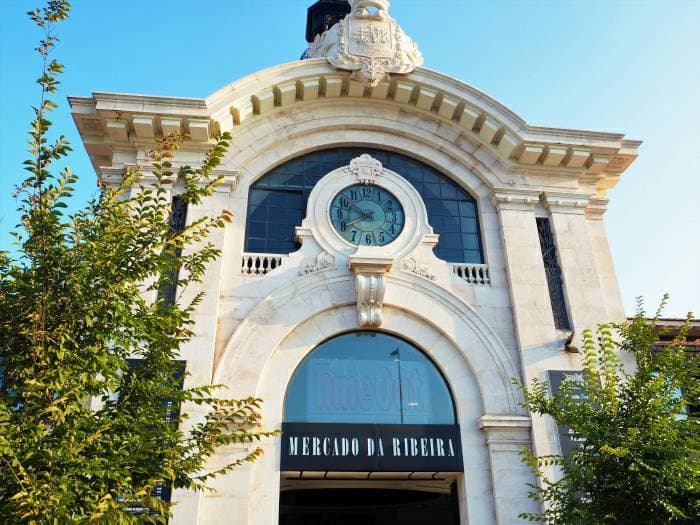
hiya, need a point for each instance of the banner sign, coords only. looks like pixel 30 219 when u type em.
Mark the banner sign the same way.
pixel 568 440
pixel 350 447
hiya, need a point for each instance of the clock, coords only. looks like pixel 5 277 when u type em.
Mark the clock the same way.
pixel 367 215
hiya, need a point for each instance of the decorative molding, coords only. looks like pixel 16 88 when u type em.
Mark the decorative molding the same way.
pixel 563 202
pixel 229 180
pixel 506 423
pixel 110 177
pixel 506 433
pixel 512 198
pixel 366 168
pixel 324 261
pixel 412 265
pixel 369 273
pixel 596 207
pixel 371 45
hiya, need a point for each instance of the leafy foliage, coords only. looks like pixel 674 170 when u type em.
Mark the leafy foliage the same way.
pixel 638 457
pixel 83 437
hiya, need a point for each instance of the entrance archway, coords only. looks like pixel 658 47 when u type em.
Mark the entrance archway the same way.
pixel 369 436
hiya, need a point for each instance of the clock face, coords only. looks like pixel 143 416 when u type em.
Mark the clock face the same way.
pixel 367 215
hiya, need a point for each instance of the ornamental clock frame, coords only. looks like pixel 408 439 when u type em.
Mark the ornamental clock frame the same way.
pixel 376 187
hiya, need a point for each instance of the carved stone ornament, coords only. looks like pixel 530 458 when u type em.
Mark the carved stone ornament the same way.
pixel 324 261
pixel 369 270
pixel 370 299
pixel 365 168
pixel 412 265
pixel 370 44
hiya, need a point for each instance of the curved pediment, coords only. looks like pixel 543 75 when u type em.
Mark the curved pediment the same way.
pixel 108 120
pixel 427 91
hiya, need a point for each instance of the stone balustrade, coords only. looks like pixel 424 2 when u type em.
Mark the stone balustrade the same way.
pixel 259 264
pixel 477 274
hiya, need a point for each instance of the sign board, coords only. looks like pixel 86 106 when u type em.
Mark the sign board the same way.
pixel 349 447
pixel 567 438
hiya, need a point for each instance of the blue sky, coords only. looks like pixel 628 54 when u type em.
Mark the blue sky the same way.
pixel 610 65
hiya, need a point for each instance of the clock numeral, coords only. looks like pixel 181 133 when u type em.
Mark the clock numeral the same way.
pixel 367 193
pixel 392 229
pixel 343 227
pixel 344 202
pixel 368 238
pixel 390 206
pixel 393 216
pixel 339 213
pixel 354 235
pixel 382 238
pixel 354 195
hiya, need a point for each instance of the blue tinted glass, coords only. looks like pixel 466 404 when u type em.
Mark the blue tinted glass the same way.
pixel 368 377
pixel 284 191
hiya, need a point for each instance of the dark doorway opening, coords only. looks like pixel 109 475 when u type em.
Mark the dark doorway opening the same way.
pixel 360 506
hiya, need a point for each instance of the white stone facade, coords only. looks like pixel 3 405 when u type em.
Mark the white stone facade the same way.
pixel 482 327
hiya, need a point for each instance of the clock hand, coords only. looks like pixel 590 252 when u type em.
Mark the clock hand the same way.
pixel 367 215
pixel 353 205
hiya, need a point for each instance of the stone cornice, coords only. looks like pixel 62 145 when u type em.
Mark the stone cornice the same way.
pixel 120 119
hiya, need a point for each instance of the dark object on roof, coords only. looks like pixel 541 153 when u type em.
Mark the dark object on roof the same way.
pixel 323 15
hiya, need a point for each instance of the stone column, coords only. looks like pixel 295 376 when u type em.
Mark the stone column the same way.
pixel 199 351
pixel 582 285
pixel 506 437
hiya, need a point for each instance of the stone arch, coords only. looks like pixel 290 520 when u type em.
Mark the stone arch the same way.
pixel 285 327
pixel 256 339
pixel 271 141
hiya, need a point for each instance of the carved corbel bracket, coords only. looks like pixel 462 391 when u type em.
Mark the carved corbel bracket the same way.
pixel 369 283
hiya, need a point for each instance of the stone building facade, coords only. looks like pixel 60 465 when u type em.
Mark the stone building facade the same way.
pixel 497 261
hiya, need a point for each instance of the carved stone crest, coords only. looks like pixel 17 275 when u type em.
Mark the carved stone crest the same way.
pixel 365 168
pixel 370 44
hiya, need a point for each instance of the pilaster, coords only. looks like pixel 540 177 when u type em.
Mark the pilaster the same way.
pixel 604 262
pixel 507 435
pixel 534 324
pixel 582 284
pixel 199 351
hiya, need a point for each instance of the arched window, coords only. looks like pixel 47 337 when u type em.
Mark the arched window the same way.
pixel 368 377
pixel 277 202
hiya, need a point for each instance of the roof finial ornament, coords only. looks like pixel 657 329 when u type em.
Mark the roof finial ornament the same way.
pixel 369 43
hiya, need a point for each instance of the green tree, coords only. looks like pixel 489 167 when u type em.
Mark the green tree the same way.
pixel 637 462
pixel 84 437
